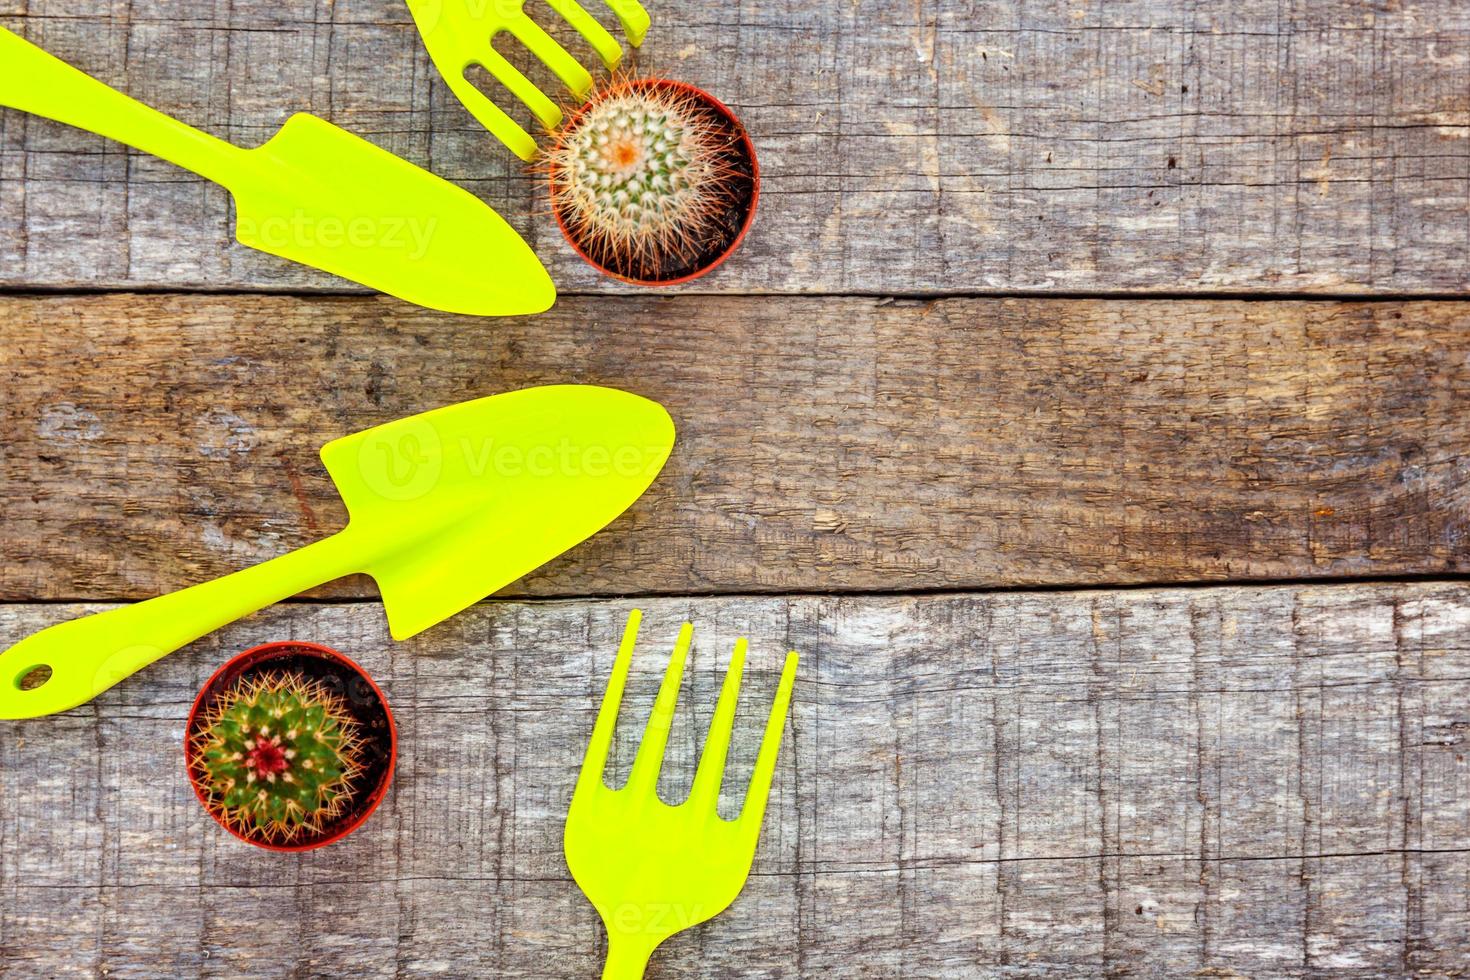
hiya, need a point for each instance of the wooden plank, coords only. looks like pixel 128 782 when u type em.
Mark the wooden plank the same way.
pixel 1223 781
pixel 935 146
pixel 825 444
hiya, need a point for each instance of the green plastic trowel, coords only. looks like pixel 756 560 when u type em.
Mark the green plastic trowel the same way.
pixel 313 193
pixel 444 509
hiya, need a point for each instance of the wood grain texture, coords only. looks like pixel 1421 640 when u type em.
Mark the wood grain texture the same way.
pixel 1219 782
pixel 150 442
pixel 933 146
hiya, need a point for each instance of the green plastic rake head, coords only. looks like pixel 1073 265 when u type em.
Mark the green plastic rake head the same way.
pixel 458 34
pixel 652 869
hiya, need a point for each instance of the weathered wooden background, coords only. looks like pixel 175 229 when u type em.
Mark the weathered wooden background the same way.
pixel 924 146
pixel 1089 406
pixel 1156 781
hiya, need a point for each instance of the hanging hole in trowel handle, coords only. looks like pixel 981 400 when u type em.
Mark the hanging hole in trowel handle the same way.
pixel 32 677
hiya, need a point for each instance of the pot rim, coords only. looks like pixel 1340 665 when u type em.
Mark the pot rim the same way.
pixel 755 184
pixel 379 792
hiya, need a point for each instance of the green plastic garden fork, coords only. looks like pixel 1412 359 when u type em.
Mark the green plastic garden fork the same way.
pixel 652 869
pixel 458 34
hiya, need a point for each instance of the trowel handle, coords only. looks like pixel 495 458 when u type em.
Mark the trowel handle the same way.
pixel 86 656
pixel 34 81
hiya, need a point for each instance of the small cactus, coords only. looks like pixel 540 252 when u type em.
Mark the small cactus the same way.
pixel 276 757
pixel 644 176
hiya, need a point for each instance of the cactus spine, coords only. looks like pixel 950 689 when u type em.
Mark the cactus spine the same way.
pixel 641 175
pixel 276 757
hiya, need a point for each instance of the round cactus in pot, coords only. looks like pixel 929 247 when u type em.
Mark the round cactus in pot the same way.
pixel 652 181
pixel 290 746
pixel 277 755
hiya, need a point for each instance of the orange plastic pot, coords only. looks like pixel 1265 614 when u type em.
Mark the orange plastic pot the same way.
pixel 364 699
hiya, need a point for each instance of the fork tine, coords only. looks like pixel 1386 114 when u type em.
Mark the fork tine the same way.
pixel 550 51
pixel 711 771
pixel 595 760
pixel 765 763
pixel 656 736
pixel 633 18
pixel 520 86
pixel 606 46
pixel 493 118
